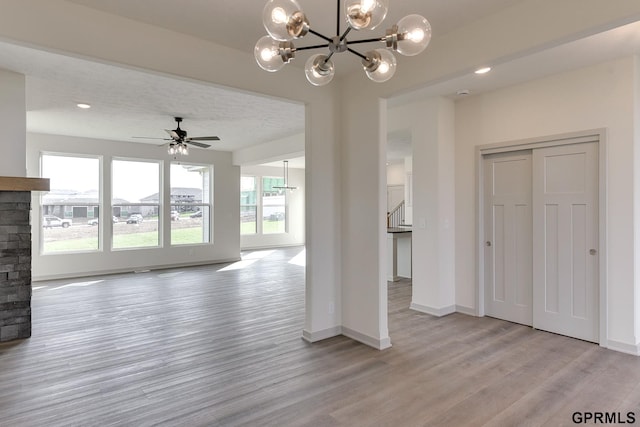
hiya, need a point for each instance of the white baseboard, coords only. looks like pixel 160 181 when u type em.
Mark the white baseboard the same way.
pixel 378 344
pixel 321 335
pixel 622 347
pixel 466 310
pixel 439 312
pixel 108 272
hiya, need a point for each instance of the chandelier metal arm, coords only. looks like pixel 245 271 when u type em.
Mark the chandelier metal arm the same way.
pixel 357 54
pixel 366 40
pixel 317 46
pixel 322 36
pixel 338 19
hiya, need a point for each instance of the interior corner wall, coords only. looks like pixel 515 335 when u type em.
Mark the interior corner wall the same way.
pixel 599 96
pixel 636 191
pixel 408 190
pixel 226 213
pixel 13 122
pixel 295 214
pixel 364 288
pixel 433 236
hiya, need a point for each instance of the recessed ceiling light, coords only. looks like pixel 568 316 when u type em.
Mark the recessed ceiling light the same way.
pixel 83 106
pixel 483 70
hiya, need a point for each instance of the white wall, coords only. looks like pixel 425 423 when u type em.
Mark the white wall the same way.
pixel 295 215
pixel 395 174
pixel 636 191
pixel 600 96
pixel 92 34
pixel 13 124
pixel 408 190
pixel 226 212
pixel 290 147
pixel 342 148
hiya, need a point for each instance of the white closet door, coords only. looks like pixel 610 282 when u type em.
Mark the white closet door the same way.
pixel 508 234
pixel 565 260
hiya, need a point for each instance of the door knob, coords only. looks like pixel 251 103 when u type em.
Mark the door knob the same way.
pixel 592 252
pixel 488 243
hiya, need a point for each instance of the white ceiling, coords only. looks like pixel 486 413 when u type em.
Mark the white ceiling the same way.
pixel 129 102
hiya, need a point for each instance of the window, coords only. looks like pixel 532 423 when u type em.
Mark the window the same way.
pixel 190 203
pixel 248 205
pixel 274 206
pixel 136 203
pixel 72 205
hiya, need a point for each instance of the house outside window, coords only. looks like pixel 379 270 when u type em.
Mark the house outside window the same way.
pixel 248 205
pixel 271 206
pixel 137 223
pixel 191 207
pixel 72 204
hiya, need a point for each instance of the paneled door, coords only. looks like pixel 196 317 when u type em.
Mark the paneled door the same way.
pixel 565 229
pixel 508 236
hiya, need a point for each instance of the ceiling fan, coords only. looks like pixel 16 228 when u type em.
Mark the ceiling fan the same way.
pixel 178 138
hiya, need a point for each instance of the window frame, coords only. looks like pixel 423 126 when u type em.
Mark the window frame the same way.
pixel 208 225
pixel 69 208
pixel 157 206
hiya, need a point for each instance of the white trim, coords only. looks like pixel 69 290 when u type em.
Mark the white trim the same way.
pixel 594 135
pixel 321 335
pixel 633 349
pixel 378 344
pixel 470 311
pixel 439 312
pixel 128 270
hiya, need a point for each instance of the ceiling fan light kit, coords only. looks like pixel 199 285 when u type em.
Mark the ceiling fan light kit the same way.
pixel 285 21
pixel 178 140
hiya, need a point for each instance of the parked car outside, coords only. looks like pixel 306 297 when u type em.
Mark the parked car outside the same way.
pixel 53 221
pixel 95 221
pixel 196 215
pixel 135 219
pixel 175 215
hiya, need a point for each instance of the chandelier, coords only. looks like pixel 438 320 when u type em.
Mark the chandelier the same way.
pixel 285 176
pixel 285 21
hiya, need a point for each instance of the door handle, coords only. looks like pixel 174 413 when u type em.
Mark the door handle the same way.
pixel 487 243
pixel 592 252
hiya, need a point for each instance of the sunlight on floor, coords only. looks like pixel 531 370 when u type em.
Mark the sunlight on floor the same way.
pixel 300 259
pixel 257 255
pixel 247 260
pixel 78 284
pixel 239 265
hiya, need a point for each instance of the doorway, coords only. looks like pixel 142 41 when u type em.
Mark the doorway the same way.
pixel 540 236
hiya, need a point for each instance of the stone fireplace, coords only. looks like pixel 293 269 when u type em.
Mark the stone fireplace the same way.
pixel 15 255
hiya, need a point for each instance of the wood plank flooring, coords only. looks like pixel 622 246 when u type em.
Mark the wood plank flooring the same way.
pixel 209 346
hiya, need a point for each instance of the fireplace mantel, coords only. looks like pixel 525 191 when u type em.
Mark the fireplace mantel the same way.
pixel 14 183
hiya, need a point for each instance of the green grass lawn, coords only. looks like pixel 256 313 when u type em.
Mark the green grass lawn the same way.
pixel 268 227
pixel 180 236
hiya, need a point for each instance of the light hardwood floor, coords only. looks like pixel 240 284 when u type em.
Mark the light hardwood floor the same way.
pixel 205 347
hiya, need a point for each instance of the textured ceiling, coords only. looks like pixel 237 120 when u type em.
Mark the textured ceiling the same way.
pixel 129 103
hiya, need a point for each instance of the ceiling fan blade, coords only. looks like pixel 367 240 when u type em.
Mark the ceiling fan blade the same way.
pixel 173 134
pixel 203 138
pixel 198 144
pixel 146 137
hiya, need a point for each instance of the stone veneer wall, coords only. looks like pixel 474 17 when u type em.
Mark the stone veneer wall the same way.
pixel 15 265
